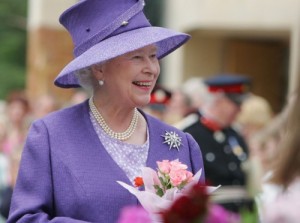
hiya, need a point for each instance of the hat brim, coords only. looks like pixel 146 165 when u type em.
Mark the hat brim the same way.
pixel 167 41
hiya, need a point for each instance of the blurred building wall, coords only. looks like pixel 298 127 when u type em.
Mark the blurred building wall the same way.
pixel 49 48
pixel 259 38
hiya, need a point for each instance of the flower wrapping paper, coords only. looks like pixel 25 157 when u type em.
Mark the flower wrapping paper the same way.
pixel 152 202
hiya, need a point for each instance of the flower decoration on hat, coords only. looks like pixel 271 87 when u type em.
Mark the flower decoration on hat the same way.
pixel 172 139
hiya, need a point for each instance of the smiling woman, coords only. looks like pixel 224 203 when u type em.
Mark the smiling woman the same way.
pixel 106 138
pixel 139 71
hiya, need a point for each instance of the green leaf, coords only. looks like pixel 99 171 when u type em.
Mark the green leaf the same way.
pixel 159 191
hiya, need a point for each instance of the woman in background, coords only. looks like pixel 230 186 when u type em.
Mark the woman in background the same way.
pixel 280 200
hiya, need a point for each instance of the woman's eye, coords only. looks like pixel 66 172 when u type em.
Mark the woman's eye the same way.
pixel 136 56
pixel 153 55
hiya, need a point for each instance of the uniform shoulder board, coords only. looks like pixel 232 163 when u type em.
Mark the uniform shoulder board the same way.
pixel 187 121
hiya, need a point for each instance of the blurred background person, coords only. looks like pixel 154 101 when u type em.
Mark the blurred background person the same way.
pixel 195 92
pixel 159 100
pixel 44 105
pixel 7 190
pixel 17 122
pixel 223 148
pixel 2 119
pixel 280 199
pixel 256 114
pixel 4 164
pixel 264 147
pixel 178 107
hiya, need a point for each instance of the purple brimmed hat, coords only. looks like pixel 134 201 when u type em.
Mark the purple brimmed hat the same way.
pixel 104 29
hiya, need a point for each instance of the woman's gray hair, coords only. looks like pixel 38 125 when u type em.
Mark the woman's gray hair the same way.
pixel 86 79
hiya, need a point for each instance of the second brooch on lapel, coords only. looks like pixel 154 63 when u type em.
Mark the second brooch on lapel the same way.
pixel 172 139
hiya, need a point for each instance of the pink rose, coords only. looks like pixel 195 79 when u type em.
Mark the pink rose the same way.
pixel 164 166
pixel 180 176
pixel 176 165
pixel 189 176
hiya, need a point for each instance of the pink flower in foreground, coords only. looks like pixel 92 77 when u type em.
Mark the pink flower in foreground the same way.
pixel 218 214
pixel 134 214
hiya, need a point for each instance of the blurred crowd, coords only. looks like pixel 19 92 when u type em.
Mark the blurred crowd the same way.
pixel 262 130
pixel 264 133
pixel 17 113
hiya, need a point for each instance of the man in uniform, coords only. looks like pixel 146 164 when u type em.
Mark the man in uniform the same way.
pixel 223 148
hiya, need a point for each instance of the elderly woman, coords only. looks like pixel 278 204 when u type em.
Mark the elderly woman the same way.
pixel 73 157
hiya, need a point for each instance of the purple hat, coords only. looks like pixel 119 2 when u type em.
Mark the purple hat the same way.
pixel 104 29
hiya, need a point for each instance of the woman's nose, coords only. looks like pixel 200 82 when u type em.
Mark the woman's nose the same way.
pixel 151 66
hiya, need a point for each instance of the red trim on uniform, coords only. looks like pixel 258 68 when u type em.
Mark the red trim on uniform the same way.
pixel 210 124
pixel 234 88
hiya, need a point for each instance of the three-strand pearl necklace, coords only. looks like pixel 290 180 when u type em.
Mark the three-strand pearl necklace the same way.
pixel 117 135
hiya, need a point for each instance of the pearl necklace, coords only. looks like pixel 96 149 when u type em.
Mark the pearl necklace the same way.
pixel 117 135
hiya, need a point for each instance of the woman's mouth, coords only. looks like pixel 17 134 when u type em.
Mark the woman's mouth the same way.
pixel 142 83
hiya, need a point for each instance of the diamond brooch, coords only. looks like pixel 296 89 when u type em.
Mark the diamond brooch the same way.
pixel 172 139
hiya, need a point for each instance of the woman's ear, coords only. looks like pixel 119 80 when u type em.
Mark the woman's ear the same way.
pixel 97 71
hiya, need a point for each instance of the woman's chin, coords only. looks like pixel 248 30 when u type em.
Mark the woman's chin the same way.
pixel 142 102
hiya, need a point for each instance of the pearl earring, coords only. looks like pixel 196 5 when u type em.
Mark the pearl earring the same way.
pixel 101 82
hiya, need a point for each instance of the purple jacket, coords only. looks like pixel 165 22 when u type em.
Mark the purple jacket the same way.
pixel 66 176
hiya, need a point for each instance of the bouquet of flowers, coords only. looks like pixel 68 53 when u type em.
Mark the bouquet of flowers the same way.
pixel 156 190
pixel 192 207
